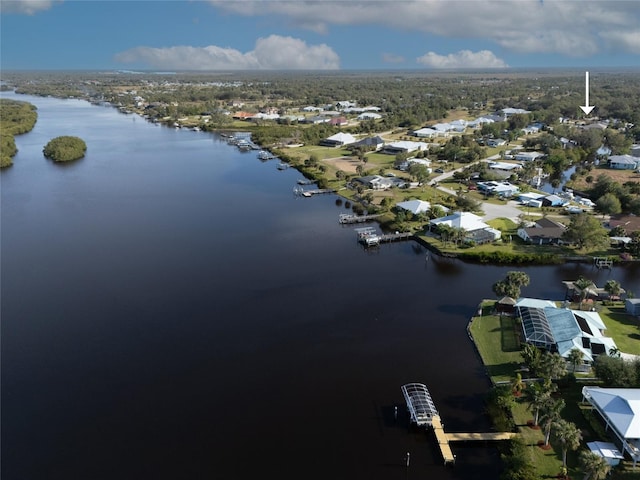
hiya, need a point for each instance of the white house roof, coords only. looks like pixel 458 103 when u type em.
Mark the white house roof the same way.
pixel 409 146
pixel 345 138
pixel 415 206
pixel 620 405
pixel 425 131
pixel 464 220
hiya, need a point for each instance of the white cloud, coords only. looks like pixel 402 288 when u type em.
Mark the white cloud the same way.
pixel 572 28
pixel 272 53
pixel 28 7
pixel 626 41
pixel 462 59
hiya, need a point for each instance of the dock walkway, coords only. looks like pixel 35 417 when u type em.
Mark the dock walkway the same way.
pixel 348 218
pixel 424 414
pixel 443 441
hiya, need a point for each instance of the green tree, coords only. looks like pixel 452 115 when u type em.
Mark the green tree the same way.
pixel 569 437
pixel 613 288
pixel 537 397
pixel 532 357
pixel 608 204
pixel 586 232
pixel 553 367
pixel 594 466
pixel 511 284
pixel 575 358
pixel 550 415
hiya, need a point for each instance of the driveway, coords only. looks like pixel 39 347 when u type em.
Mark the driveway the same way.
pixel 491 210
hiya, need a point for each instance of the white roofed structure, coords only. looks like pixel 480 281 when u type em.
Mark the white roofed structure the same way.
pixel 415 206
pixel 620 410
pixel 419 403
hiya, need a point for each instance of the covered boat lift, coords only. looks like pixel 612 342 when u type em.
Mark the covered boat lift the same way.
pixel 419 403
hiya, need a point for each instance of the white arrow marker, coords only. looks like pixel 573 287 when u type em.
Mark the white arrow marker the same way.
pixel 586 108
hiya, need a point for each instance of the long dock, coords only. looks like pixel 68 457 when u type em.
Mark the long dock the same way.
pixel 318 191
pixel 423 413
pixel 348 218
pixel 443 441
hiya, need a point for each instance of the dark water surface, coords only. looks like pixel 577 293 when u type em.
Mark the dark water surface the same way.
pixel 171 311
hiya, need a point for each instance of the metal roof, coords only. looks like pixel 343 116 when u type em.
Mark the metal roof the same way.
pixel 419 403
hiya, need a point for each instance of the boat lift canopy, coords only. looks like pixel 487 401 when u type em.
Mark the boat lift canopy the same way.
pixel 419 403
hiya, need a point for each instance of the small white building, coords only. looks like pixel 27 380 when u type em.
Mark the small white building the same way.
pixel 624 162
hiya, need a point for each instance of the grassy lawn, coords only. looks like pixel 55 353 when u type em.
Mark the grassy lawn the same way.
pixel 623 328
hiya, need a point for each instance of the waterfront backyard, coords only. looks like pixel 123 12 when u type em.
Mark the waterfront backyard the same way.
pixel 489 329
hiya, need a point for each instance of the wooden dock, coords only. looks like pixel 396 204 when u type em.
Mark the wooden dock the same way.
pixel 348 218
pixel 317 191
pixel 443 441
pixel 369 237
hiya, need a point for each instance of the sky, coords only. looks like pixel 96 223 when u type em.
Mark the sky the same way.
pixel 225 35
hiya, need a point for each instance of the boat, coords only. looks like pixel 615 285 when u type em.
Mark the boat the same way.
pixel 265 155
pixel 283 166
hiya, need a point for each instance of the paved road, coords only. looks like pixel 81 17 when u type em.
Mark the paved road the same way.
pixel 491 210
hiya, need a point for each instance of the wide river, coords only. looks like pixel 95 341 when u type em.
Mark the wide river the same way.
pixel 170 310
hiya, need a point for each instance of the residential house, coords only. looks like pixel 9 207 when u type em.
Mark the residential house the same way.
pixel 501 189
pixel 543 232
pixel 527 156
pixel 496 142
pixel 414 206
pixel 619 409
pixel 369 116
pixel 475 229
pixel 370 143
pixel 338 140
pixel 404 146
pixel 560 330
pixel 624 162
pixel 317 119
pixel 377 182
pixel 505 166
pixel 507 112
pixel 242 115
pixel 425 133
pixel 554 201
pixel 338 121
pixel 630 222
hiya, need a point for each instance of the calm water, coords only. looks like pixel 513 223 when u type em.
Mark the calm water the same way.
pixel 170 310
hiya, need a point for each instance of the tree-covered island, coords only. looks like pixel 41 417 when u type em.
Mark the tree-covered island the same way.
pixel 65 149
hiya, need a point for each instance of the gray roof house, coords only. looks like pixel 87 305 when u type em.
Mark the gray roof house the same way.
pixel 543 232
pixel 562 329
pixel 624 162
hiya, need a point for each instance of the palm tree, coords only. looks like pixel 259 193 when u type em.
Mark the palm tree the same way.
pixel 582 285
pixel 569 437
pixel 613 288
pixel 550 415
pixel 518 385
pixel 575 357
pixel 537 398
pixel 595 467
pixel 552 366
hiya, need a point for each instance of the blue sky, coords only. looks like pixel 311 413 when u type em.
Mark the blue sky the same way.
pixel 170 35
